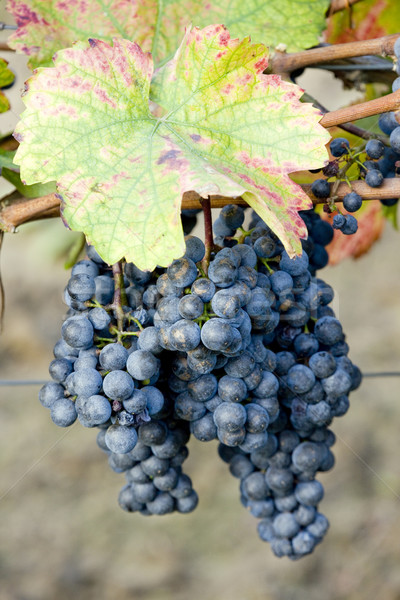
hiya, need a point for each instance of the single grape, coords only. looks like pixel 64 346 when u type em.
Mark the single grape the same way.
pixel 374 149
pixel 321 188
pixel 351 225
pixel 374 178
pixel 352 202
pixel 339 147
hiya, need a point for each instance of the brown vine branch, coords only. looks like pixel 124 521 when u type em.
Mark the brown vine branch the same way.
pixel 285 63
pixel 364 109
pixel 30 210
pixel 349 127
pixel 389 189
pixel 338 5
pixel 23 211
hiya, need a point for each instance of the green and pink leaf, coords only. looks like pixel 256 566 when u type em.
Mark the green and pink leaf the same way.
pixel 225 128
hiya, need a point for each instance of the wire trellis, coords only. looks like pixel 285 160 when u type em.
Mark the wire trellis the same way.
pixel 16 382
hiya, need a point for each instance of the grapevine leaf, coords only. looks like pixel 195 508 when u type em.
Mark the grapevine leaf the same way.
pixel 6 160
pixel 225 129
pixel 6 78
pixel 391 214
pixel 45 26
pixel 28 191
pixel 369 19
pixel 371 223
pixel 295 23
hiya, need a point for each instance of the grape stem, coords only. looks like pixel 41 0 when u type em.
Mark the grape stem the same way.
pixel 339 5
pixel 208 232
pixel 285 63
pixel 119 297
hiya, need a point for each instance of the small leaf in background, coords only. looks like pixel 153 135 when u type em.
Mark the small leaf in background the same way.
pixel 6 160
pixel 45 26
pixel 371 223
pixel 227 129
pixel 391 214
pixel 370 19
pixel 28 191
pixel 6 78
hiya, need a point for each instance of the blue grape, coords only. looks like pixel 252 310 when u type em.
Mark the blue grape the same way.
pixel 77 331
pixel 60 368
pixel 184 335
pixel 230 416
pixel 217 335
pixel 351 225
pixel 118 385
pixel 374 178
pixel 352 202
pixel 195 249
pixel 309 493
pixel 191 306
pixel 149 340
pixel 232 215
pixel 87 382
pixel 321 188
pixel 81 287
pixel 232 389
pixel 339 147
pixel 204 288
pixel 203 388
pixel 121 439
pixel 285 525
pixel 142 365
pixel 62 412
pixel 388 122
pixel 328 331
pixel 319 526
pixel 50 393
pixel 154 399
pixel 254 486
pixel 204 429
pixel 113 356
pixel 182 272
pixel 99 318
pixel 104 289
pixel 374 148
pixel 322 233
pixel 96 410
pixel 136 403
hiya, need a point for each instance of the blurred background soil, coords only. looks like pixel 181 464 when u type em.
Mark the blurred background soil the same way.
pixel 62 534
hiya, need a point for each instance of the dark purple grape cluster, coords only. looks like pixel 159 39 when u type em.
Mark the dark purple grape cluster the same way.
pixel 244 350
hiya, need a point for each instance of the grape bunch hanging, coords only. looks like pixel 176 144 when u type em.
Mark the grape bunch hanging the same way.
pixel 243 349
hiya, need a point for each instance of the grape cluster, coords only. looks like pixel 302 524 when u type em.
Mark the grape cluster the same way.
pixel 376 162
pixel 387 159
pixel 244 350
